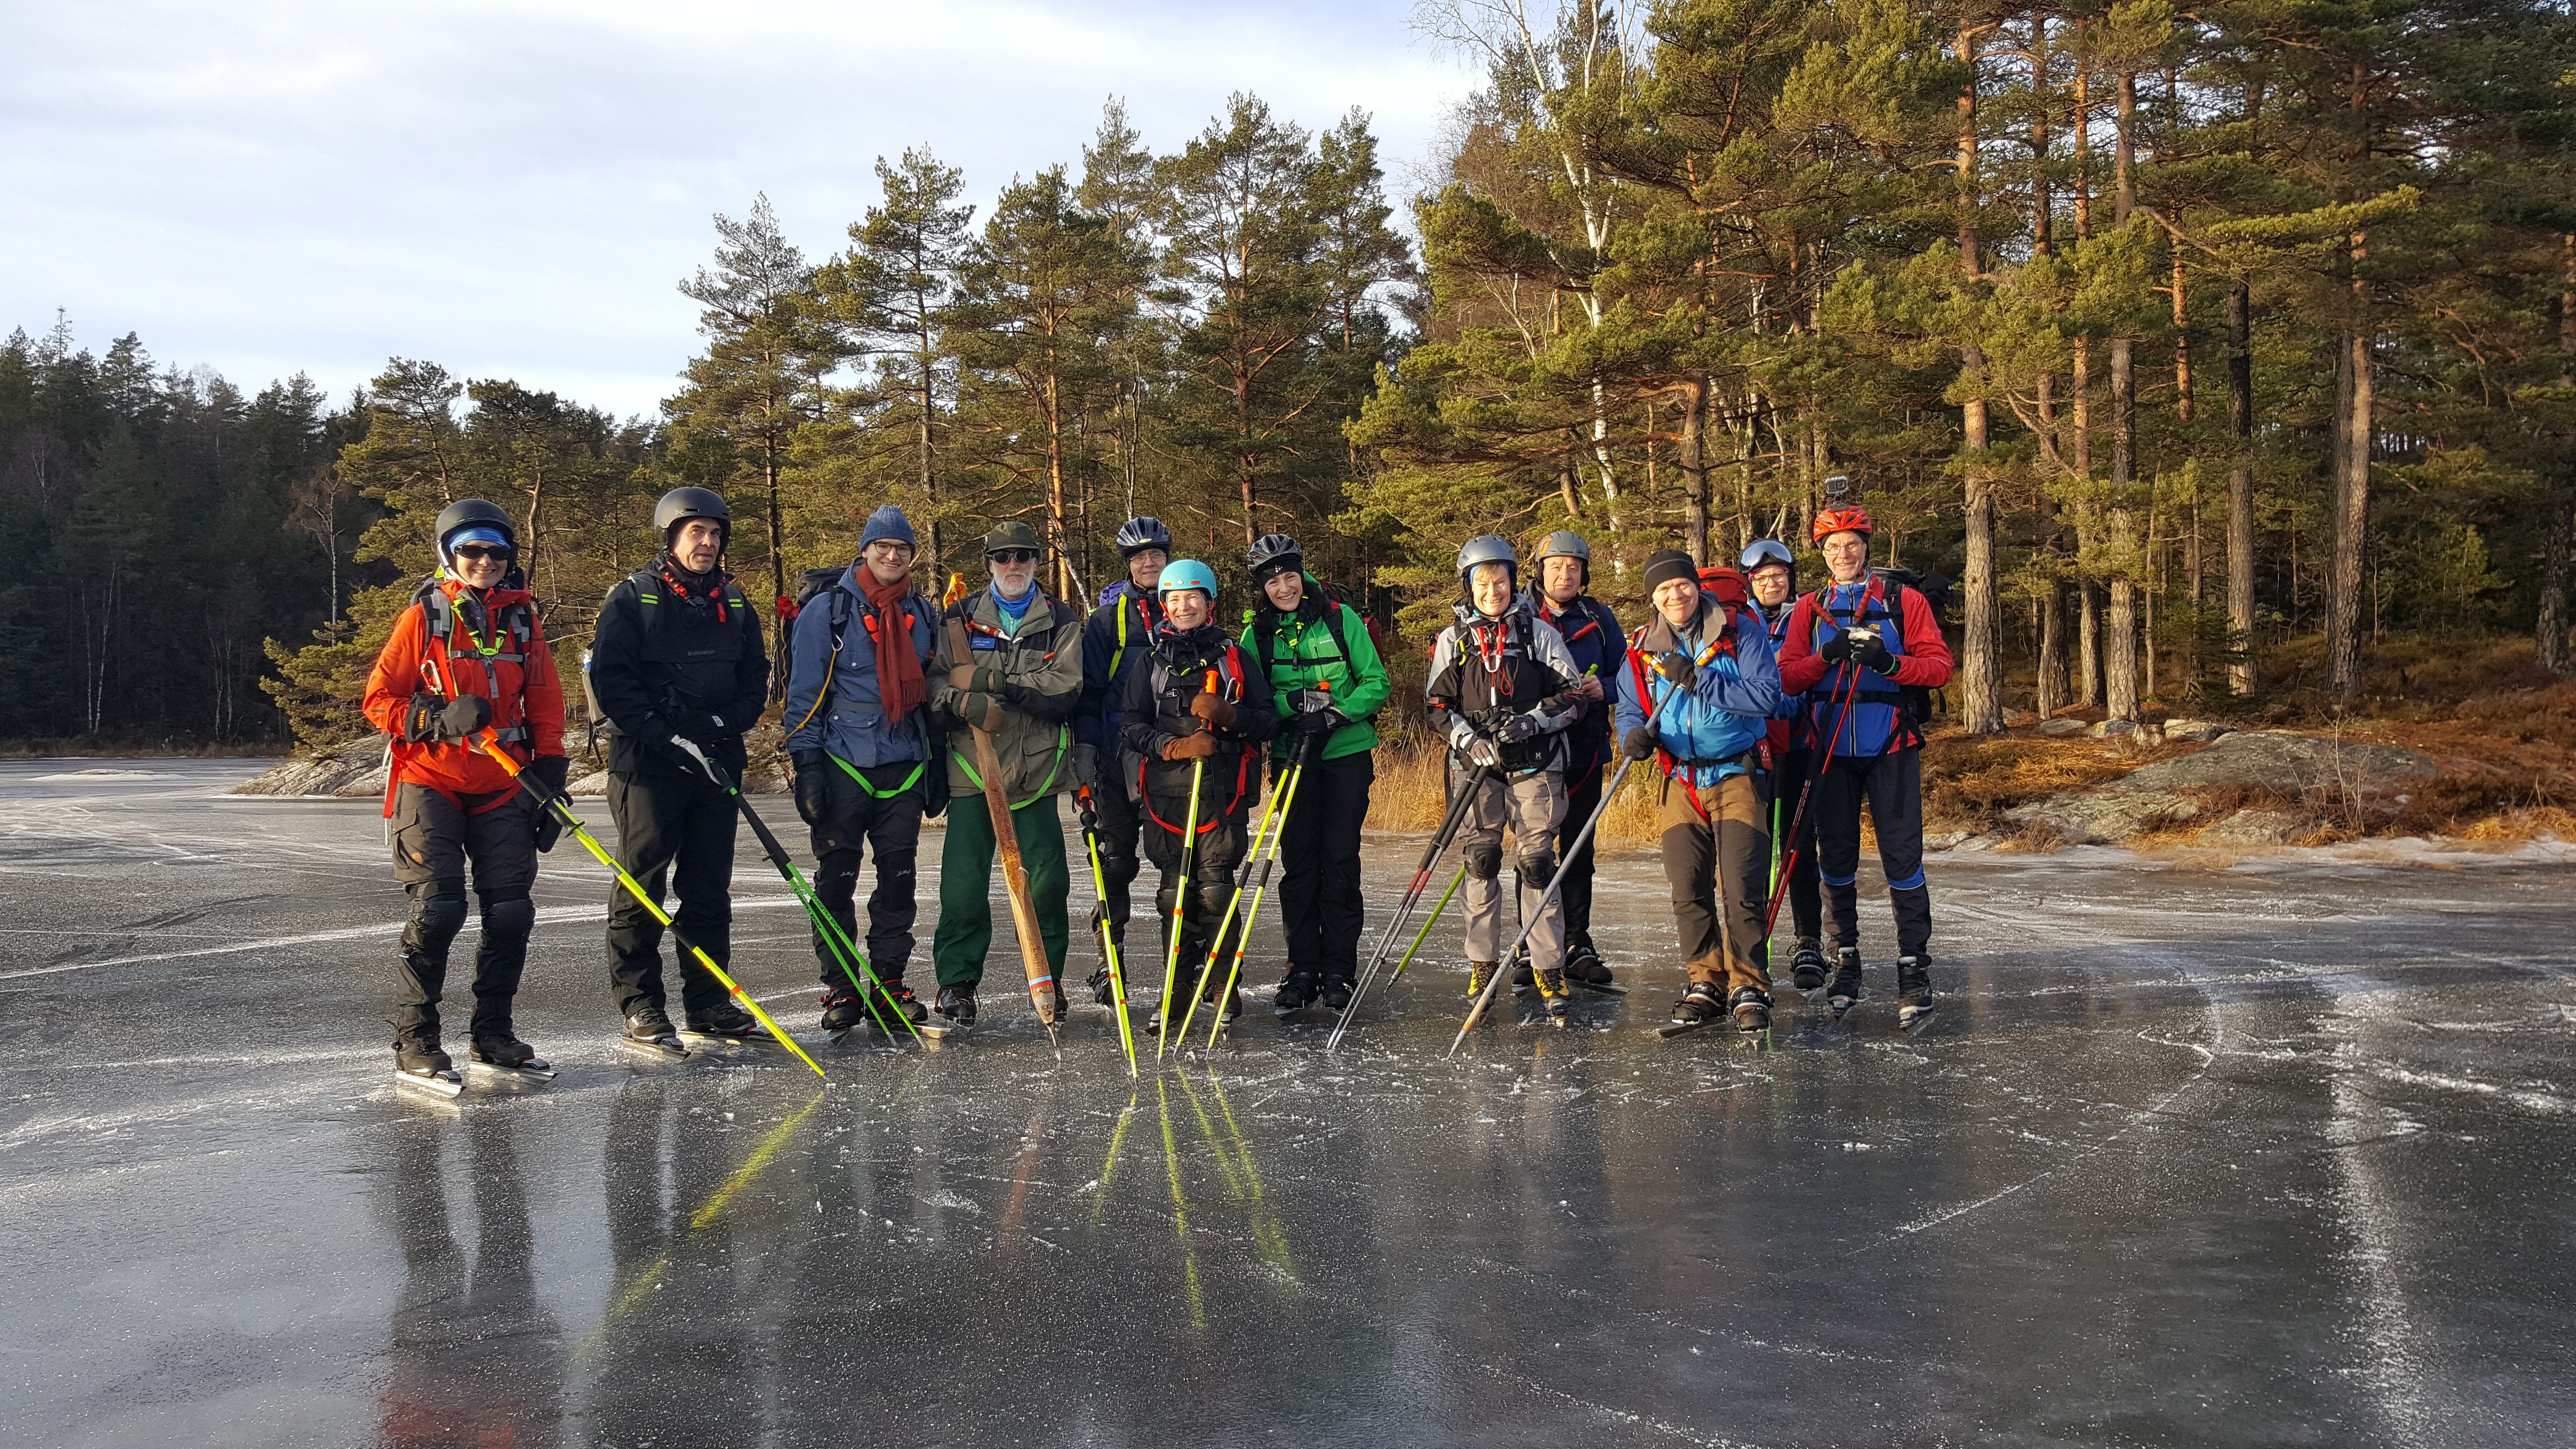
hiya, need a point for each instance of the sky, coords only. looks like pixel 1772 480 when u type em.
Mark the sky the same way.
pixel 513 190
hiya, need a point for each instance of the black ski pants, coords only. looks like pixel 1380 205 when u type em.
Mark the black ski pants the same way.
pixel 1212 875
pixel 1319 895
pixel 1574 867
pixel 1120 818
pixel 436 837
pixel 857 819
pixel 1892 784
pixel 1788 779
pixel 674 830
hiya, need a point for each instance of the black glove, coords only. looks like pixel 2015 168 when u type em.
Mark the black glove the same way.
pixel 433 717
pixel 1518 728
pixel 1836 648
pixel 551 771
pixel 1638 743
pixel 1676 667
pixel 1086 767
pixel 698 728
pixel 1871 653
pixel 1320 722
pixel 813 774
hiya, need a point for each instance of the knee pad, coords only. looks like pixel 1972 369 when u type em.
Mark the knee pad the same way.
pixel 1166 898
pixel 509 920
pixel 437 912
pixel 1118 870
pixel 1537 870
pixel 1485 862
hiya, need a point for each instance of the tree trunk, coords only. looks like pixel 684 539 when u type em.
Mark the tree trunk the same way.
pixel 2120 657
pixel 1981 684
pixel 1694 459
pixel 2559 552
pixel 2240 489
pixel 2351 510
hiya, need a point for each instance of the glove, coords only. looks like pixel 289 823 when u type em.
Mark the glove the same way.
pixel 1675 667
pixel 1317 722
pixel 1311 700
pixel 1836 648
pixel 1190 747
pixel 1086 767
pixel 978 710
pixel 1212 709
pixel 1638 743
pixel 1486 753
pixel 551 771
pixel 549 829
pixel 813 774
pixel 1871 653
pixel 975 679
pixel 1462 735
pixel 1518 728
pixel 432 717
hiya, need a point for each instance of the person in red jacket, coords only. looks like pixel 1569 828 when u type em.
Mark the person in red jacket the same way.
pixel 466 657
pixel 1866 651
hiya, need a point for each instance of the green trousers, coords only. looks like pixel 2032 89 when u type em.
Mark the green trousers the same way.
pixel 966 886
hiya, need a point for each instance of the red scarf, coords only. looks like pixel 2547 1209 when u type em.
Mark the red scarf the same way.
pixel 899 680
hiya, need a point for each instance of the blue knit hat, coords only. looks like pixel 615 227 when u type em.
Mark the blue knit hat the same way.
pixel 888 522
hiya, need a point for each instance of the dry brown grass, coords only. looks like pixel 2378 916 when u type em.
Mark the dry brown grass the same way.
pixel 1969 781
pixel 1410 795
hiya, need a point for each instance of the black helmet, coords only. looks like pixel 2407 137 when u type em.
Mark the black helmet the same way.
pixel 1140 533
pixel 1487 548
pixel 682 504
pixel 467 513
pixel 1274 553
pixel 1763 553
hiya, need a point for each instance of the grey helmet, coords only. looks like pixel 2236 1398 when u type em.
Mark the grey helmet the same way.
pixel 467 513
pixel 1565 543
pixel 1141 533
pixel 1487 548
pixel 1762 553
pixel 1274 553
pixel 682 504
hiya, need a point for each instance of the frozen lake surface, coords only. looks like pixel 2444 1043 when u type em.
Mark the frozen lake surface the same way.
pixel 2184 1158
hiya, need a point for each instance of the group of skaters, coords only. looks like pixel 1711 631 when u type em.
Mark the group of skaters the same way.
pixel 1764 718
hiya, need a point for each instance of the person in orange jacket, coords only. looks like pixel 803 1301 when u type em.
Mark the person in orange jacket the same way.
pixel 467 656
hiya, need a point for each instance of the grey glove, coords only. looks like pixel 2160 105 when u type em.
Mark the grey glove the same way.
pixel 1518 728
pixel 1463 736
pixel 1486 753
pixel 1086 767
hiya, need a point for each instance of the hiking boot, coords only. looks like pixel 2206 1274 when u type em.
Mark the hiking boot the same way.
pixel 1104 988
pixel 1700 1002
pixel 956 1005
pixel 1913 989
pixel 649 1024
pixel 1845 987
pixel 1296 993
pixel 896 999
pixel 1584 967
pixel 1337 993
pixel 842 1009
pixel 422 1058
pixel 1807 969
pixel 1752 1007
pixel 1479 974
pixel 1551 990
pixel 1522 984
pixel 503 1049
pixel 724 1019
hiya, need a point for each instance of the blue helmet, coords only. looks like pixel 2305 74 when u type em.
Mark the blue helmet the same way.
pixel 1762 553
pixel 1187 573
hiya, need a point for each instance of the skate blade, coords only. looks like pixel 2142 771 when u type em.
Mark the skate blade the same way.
pixel 535 1071
pixel 1672 1029
pixel 668 1049
pixel 711 1041
pixel 446 1086
pixel 938 1030
pixel 1605 988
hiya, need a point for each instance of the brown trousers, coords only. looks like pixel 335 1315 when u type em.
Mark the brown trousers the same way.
pixel 1716 861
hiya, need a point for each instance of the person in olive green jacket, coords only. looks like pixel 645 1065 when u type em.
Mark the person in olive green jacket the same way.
pixel 1009 660
pixel 1327 679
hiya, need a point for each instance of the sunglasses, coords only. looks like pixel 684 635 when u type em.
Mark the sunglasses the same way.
pixel 1014 555
pixel 480 551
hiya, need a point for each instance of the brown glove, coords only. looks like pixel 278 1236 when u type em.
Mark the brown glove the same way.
pixel 975 678
pixel 1213 709
pixel 1191 747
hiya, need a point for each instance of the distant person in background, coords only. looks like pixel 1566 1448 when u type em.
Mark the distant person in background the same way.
pixel 677 657
pixel 467 659
pixel 1771 571
pixel 1872 642
pixel 1115 640
pixel 1596 643
pixel 858 707
pixel 1326 680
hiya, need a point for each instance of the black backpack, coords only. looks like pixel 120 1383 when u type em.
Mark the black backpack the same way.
pixel 1334 602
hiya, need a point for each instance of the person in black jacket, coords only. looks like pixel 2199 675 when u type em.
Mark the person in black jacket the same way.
pixel 1114 643
pixel 678 656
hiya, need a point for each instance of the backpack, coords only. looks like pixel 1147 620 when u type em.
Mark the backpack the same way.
pixel 1726 582
pixel 1333 602
pixel 1921 703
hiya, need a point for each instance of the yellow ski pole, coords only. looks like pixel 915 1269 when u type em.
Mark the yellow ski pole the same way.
pixel 562 809
pixel 1108 942
pixel 1180 898
pixel 1260 884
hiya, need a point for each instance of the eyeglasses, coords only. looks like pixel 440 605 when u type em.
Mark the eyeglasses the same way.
pixel 1014 555
pixel 477 552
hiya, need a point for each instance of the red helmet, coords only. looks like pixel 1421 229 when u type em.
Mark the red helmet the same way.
pixel 1841 520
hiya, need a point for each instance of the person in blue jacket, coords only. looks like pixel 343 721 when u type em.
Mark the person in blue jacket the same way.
pixel 859 735
pixel 1116 639
pixel 1712 650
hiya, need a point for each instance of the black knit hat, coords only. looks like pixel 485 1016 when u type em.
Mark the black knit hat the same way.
pixel 1667 564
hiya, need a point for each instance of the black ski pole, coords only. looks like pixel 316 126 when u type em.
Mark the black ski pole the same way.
pixel 1431 853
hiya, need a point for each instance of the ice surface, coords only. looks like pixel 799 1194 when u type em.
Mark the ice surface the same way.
pixel 2185 1157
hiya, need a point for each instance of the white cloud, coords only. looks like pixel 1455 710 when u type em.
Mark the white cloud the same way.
pixel 513 189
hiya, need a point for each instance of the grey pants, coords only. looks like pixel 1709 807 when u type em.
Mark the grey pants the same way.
pixel 1532 805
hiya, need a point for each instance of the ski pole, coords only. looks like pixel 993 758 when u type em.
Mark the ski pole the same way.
pixel 1654 717
pixel 1431 853
pixel 844 950
pixel 1780 883
pixel 1261 834
pixel 1108 943
pixel 1181 897
pixel 1260 883
pixel 562 808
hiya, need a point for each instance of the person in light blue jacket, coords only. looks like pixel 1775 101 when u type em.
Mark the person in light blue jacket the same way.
pixel 859 732
pixel 1695 699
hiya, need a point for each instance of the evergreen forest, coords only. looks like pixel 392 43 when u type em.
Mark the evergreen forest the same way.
pixel 2207 349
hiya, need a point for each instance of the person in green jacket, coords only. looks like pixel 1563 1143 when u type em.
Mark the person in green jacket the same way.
pixel 1328 681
